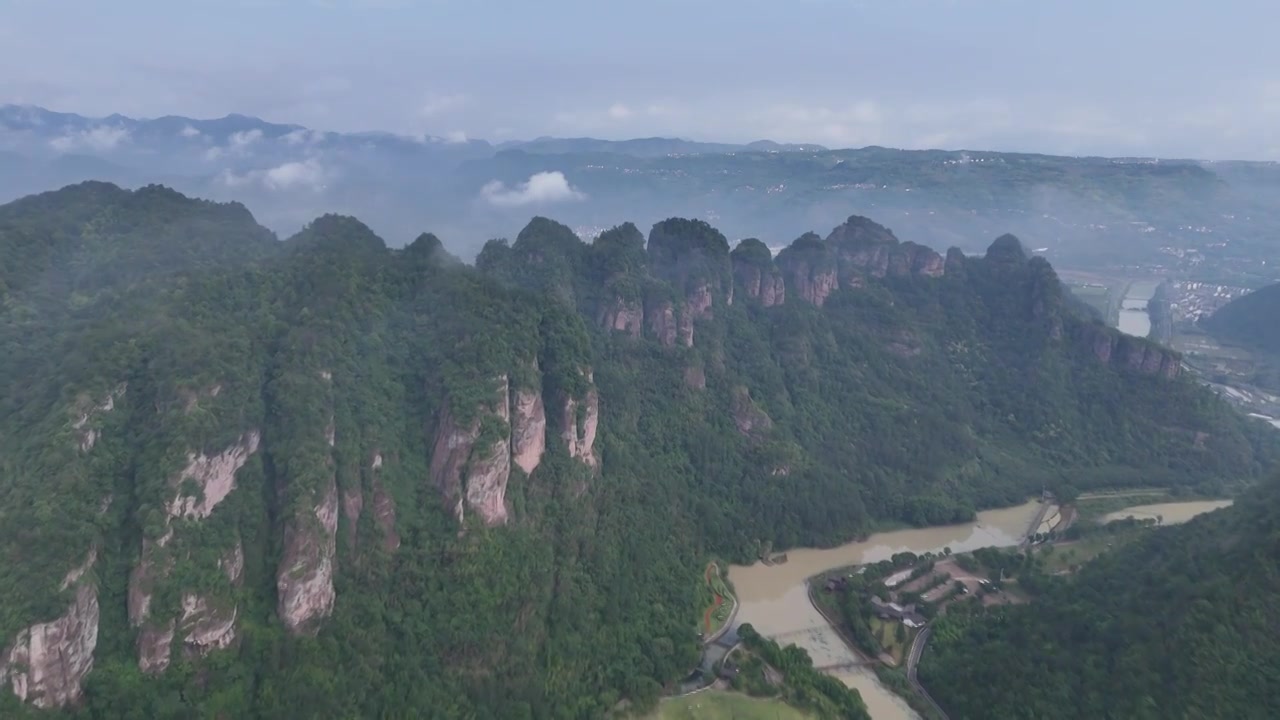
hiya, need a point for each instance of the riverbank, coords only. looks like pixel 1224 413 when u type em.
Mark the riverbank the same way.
pixel 775 599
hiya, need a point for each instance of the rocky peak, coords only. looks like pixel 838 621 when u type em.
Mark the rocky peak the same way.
pixel 471 462
pixel 859 230
pixel 691 255
pixel 865 248
pixel 755 271
pixel 1007 250
pixel 809 268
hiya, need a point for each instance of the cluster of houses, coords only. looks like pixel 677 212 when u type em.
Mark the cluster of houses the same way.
pixel 894 611
pixel 884 610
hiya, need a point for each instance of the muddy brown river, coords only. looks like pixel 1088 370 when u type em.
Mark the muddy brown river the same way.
pixel 773 598
pixel 1168 513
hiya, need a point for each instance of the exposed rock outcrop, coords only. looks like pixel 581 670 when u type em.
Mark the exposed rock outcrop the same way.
pixel 469 475
pixel 528 428
pixel 623 316
pixel 46 663
pixel 86 434
pixel 207 624
pixel 579 432
pixel 304 584
pixel 384 515
pixel 754 269
pixel 200 487
pixel 809 269
pixel 1114 348
pixel 662 323
pixel 213 477
pixel 866 248
pixel 698 301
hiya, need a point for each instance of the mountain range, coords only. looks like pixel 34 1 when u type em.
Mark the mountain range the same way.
pixel 1088 213
pixel 326 477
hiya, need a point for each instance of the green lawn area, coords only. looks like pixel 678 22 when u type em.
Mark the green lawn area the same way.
pixel 722 705
pixel 718 615
pixel 886 631
pixel 1064 556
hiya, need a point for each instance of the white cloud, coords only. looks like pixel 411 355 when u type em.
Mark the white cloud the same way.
pixel 308 173
pixel 214 153
pixel 189 132
pixel 297 175
pixel 303 136
pixel 441 104
pixel 618 111
pixel 100 138
pixel 456 137
pixel 244 138
pixel 540 188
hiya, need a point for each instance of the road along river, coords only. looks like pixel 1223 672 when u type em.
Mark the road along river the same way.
pixel 773 598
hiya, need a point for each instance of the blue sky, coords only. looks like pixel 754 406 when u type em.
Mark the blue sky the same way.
pixel 1141 77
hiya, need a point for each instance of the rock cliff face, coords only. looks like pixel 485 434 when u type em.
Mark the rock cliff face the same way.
pixel 470 476
pixel 698 302
pixel 579 432
pixel 199 488
pixel 46 663
pixel 489 469
pixel 528 428
pixel 214 477
pixel 304 583
pixel 662 323
pixel 755 271
pixel 623 316
pixel 865 248
pixel 1114 348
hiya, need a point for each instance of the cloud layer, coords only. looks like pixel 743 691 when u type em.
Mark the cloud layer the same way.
pixel 541 188
pixel 296 175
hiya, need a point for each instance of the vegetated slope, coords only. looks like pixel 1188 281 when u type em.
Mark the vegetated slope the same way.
pixel 1182 624
pixel 1249 321
pixel 323 478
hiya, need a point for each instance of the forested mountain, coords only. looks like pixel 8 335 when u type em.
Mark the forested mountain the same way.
pixel 243 477
pixel 1250 322
pixel 1182 624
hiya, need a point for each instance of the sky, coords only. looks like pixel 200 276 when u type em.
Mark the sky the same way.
pixel 1169 78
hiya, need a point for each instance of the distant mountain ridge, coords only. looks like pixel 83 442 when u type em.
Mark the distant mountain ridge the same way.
pixel 1085 212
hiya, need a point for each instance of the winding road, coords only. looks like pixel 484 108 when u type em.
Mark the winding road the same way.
pixel 913 659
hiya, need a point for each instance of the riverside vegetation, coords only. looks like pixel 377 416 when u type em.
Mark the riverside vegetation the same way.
pixel 320 477
pixel 1174 622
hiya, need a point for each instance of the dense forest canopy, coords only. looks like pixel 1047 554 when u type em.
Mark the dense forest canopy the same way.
pixel 243 477
pixel 1182 624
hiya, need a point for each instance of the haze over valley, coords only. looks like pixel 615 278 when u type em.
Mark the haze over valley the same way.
pixel 666 361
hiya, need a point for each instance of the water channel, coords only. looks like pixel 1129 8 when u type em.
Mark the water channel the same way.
pixel 1169 513
pixel 774 599
pixel 1134 319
